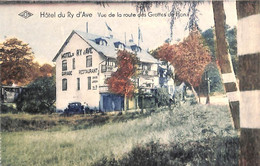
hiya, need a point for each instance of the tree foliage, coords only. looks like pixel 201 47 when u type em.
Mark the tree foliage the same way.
pixel 38 97
pixel 18 64
pixel 212 69
pixel 121 81
pixel 231 34
pixel 211 72
pixel 189 58
pixel 210 41
pixel 161 96
pixel 46 70
pixel 176 7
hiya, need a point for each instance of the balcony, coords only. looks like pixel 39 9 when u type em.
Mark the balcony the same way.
pixel 105 68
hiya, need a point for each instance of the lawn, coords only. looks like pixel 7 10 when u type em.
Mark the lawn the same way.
pixel 187 135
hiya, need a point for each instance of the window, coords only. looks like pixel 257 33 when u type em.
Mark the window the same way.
pixel 89 61
pixel 136 48
pixel 110 62
pixel 64 84
pixel 89 83
pixel 64 65
pixel 121 47
pixel 149 67
pixel 146 67
pixel 73 63
pixel 78 83
pixel 103 42
pixel 103 68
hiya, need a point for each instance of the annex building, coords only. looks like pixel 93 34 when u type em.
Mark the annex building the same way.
pixel 86 60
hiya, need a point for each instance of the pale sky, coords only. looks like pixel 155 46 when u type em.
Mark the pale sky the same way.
pixel 46 35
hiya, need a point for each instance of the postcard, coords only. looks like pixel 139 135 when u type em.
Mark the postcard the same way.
pixel 129 83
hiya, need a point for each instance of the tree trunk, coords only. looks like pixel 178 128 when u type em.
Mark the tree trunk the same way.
pixel 208 96
pixel 125 106
pixel 224 59
pixel 208 99
pixel 199 94
pixel 195 94
pixel 221 44
pixel 142 109
pixel 135 103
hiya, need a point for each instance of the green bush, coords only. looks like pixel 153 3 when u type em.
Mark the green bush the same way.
pixel 161 96
pixel 211 151
pixel 39 97
pixel 157 98
pixel 146 102
pixel 213 74
pixel 8 108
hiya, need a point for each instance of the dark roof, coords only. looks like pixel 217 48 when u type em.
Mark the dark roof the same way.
pixel 108 50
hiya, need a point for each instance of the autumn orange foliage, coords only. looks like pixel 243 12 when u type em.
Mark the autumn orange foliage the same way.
pixel 120 81
pixel 46 70
pixel 18 66
pixel 189 58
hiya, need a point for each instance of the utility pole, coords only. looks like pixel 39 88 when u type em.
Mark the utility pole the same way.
pixel 208 83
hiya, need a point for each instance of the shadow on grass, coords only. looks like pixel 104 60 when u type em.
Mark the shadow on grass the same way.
pixel 210 151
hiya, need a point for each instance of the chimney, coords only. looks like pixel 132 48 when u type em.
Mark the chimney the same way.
pixel 86 27
pixel 132 38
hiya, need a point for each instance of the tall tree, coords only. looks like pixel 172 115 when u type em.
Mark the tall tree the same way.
pixel 210 41
pixel 232 40
pixel 189 58
pixel 17 66
pixel 121 81
pixel 224 60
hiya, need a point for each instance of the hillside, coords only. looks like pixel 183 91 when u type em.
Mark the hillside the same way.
pixel 189 134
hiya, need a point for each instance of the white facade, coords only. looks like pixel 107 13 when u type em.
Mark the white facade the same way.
pixel 85 61
pixel 81 72
pixel 167 81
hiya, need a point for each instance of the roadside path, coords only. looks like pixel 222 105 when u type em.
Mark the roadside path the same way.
pixel 216 100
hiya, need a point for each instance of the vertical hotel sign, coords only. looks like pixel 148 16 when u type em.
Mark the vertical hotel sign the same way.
pixel 66 55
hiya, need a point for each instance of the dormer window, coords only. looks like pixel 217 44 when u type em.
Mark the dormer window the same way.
pixel 119 45
pixel 136 48
pixel 101 41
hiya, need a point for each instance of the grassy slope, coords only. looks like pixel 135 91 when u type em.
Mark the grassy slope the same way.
pixel 85 147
